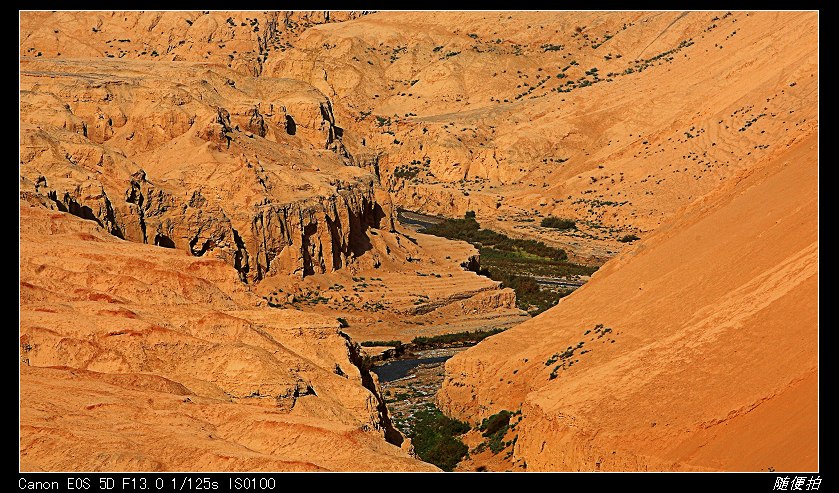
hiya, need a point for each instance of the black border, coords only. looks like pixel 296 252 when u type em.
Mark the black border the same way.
pixel 565 481
pixel 553 481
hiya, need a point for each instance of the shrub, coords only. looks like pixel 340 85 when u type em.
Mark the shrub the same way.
pixel 366 364
pixel 468 229
pixel 494 423
pixel 628 238
pixel 395 344
pixel 495 428
pixel 405 171
pixel 558 223
pixel 343 322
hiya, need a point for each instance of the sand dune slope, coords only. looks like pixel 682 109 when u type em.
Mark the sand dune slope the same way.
pixel 695 349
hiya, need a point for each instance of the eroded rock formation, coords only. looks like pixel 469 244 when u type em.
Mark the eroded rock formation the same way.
pixel 252 173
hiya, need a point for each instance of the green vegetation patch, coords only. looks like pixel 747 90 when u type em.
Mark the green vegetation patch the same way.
pixel 468 229
pixel 395 344
pixel 435 438
pixel 457 337
pixel 514 262
pixel 495 428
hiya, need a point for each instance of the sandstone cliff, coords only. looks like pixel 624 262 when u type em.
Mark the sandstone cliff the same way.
pixel 251 171
pixel 223 181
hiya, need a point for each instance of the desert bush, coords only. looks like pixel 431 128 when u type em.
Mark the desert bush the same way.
pixel 395 344
pixel 406 171
pixel 558 223
pixel 495 428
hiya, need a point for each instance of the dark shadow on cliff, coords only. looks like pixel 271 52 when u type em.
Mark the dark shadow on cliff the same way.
pixel 364 364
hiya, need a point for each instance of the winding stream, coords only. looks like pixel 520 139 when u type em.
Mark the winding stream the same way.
pixel 417 220
pixel 394 370
pixel 411 385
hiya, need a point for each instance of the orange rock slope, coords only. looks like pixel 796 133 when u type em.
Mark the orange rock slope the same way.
pixel 696 349
pixel 135 357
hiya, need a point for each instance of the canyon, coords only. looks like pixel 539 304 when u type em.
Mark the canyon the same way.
pixel 212 257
